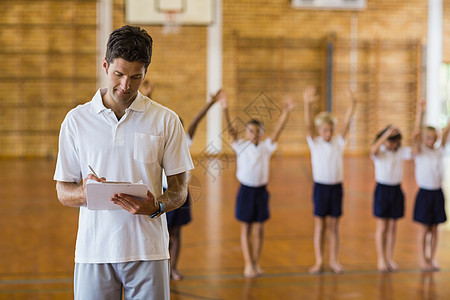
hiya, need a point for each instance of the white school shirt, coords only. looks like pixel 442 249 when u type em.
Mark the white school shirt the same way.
pixel 429 168
pixel 148 138
pixel 326 159
pixel 389 164
pixel 164 177
pixel 253 161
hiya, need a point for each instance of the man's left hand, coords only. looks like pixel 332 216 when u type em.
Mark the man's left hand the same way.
pixel 135 206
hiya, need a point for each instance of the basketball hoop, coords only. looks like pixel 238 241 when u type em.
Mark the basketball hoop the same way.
pixel 172 21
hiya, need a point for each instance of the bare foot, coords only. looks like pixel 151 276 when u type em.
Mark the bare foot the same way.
pixel 249 272
pixel 392 266
pixel 258 270
pixel 426 267
pixel 337 268
pixel 175 275
pixel 435 266
pixel 316 269
pixel 382 267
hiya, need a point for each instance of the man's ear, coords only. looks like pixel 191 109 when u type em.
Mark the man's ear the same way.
pixel 105 65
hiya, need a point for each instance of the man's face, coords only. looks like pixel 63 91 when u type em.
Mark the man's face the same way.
pixel 124 80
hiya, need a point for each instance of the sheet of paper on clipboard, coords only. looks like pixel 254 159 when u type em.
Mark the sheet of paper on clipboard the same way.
pixel 99 194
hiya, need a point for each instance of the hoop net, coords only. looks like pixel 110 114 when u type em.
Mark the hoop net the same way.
pixel 172 21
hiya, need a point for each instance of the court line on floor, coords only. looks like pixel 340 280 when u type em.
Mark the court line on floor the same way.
pixel 445 272
pixel 25 280
pixel 190 295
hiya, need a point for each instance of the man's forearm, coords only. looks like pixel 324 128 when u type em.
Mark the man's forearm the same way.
pixel 176 192
pixel 70 194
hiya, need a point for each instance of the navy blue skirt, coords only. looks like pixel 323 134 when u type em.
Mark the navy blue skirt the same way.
pixel 389 201
pixel 252 204
pixel 430 207
pixel 180 216
pixel 327 199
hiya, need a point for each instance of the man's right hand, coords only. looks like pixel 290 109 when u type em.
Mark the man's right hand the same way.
pixel 92 177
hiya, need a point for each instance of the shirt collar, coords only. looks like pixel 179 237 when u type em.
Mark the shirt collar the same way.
pixel 98 106
pixel 321 139
pixel 138 103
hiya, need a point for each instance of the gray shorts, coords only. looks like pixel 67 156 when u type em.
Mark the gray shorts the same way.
pixel 139 280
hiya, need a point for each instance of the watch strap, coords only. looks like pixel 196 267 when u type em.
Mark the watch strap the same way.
pixel 159 212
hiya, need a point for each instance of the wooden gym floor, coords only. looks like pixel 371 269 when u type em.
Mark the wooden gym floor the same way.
pixel 38 237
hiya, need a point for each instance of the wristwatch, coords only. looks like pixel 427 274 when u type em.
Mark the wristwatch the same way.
pixel 159 212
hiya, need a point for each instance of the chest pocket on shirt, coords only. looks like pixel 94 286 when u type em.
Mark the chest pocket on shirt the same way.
pixel 146 147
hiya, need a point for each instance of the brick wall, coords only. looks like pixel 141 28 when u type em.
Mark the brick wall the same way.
pixel 446 31
pixel 48 51
pixel 49 44
pixel 274 69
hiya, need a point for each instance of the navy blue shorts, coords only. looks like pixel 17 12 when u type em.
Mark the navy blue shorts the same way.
pixel 180 216
pixel 252 204
pixel 430 207
pixel 327 199
pixel 389 201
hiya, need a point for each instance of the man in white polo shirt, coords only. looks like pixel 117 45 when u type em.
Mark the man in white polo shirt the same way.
pixel 125 137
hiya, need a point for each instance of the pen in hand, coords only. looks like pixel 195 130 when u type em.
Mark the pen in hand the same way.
pixel 93 172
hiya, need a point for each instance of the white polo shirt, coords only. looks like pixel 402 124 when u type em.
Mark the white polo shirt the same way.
pixel 389 164
pixel 253 161
pixel 148 138
pixel 326 159
pixel 429 168
pixel 164 177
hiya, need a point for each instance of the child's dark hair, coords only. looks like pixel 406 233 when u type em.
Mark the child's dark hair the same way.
pixel 392 138
pixel 256 123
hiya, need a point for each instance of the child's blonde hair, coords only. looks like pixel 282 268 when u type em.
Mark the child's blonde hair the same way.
pixel 429 128
pixel 324 118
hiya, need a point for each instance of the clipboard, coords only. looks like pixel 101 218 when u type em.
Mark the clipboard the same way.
pixel 99 194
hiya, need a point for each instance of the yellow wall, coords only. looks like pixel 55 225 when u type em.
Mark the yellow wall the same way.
pixel 270 49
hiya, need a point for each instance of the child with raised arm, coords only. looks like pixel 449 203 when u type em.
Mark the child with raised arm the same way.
pixel 327 168
pixel 182 215
pixel 252 203
pixel 429 209
pixel 388 156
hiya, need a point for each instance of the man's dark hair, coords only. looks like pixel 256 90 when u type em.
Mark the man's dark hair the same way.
pixel 130 43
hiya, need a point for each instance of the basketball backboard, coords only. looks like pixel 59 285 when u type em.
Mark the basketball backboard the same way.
pixel 159 12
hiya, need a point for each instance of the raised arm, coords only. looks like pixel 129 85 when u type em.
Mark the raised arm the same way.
pixel 309 96
pixel 349 114
pixel 445 132
pixel 376 145
pixel 288 106
pixel 193 126
pixel 231 130
pixel 418 124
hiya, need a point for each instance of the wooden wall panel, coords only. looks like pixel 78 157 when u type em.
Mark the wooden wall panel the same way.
pixel 49 57
pixel 387 85
pixel 39 38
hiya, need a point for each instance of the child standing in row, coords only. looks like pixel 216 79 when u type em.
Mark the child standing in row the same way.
pixel 429 209
pixel 327 168
pixel 252 204
pixel 389 201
